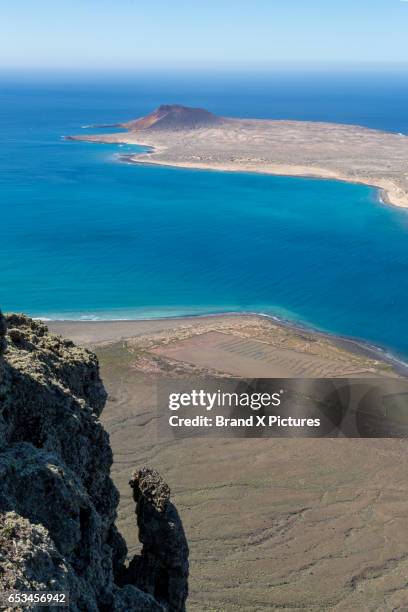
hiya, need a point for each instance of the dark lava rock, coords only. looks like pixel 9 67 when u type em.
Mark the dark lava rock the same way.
pixel 57 501
pixel 3 329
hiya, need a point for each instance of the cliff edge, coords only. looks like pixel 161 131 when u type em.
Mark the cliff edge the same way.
pixel 57 500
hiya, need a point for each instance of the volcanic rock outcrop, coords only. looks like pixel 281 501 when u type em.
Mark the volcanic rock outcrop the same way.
pixel 57 500
pixel 3 329
pixel 161 569
pixel 174 117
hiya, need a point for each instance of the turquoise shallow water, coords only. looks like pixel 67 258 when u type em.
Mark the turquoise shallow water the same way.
pixel 87 236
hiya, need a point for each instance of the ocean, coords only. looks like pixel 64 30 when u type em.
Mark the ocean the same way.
pixel 86 236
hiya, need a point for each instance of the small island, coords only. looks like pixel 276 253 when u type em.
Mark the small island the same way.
pixel 195 138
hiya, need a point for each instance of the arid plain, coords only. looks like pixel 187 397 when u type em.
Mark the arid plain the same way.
pixel 272 524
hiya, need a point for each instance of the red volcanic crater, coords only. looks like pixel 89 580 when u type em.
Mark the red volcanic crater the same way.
pixel 174 116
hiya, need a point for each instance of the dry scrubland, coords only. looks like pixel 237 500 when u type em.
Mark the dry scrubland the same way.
pixel 294 524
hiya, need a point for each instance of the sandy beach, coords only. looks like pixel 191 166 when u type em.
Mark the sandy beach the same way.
pixel 225 344
pixel 291 148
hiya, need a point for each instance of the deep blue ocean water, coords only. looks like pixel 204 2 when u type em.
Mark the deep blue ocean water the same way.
pixel 84 235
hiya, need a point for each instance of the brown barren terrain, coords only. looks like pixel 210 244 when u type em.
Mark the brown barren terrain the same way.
pixel 272 524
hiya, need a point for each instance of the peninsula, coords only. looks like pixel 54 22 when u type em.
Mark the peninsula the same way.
pixel 195 138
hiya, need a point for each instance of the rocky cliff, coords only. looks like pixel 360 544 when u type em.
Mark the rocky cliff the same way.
pixel 57 500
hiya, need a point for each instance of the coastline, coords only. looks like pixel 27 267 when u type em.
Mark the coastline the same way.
pixel 102 332
pixel 387 195
pixel 326 151
pixel 218 148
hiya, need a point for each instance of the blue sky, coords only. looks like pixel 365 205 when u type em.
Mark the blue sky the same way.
pixel 134 34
